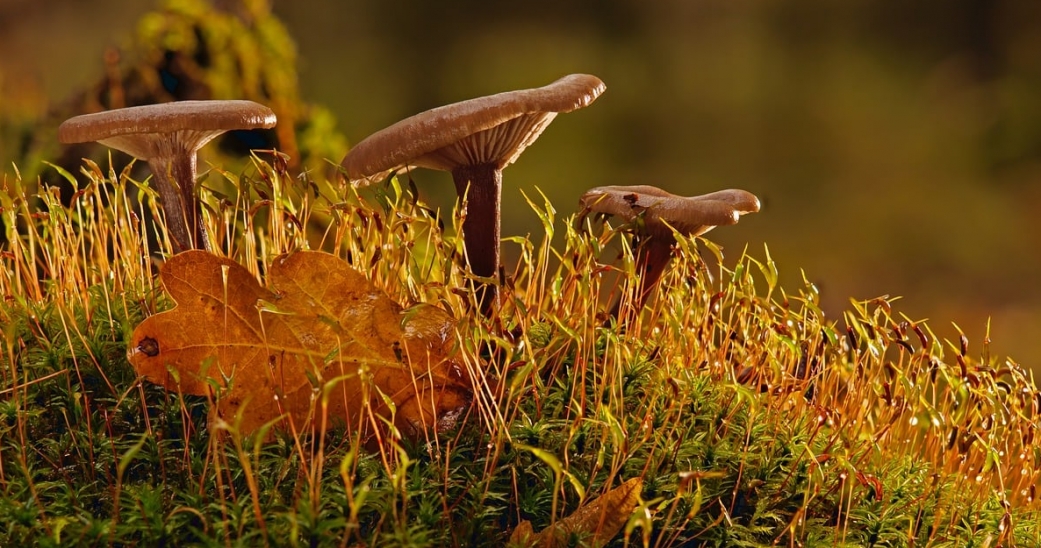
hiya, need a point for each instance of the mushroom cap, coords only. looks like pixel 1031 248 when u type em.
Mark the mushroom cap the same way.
pixel 151 131
pixel 494 129
pixel 689 215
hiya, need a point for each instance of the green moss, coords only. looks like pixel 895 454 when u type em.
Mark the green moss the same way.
pixel 751 418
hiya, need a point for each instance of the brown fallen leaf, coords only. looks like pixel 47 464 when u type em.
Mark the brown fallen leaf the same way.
pixel 319 327
pixel 599 520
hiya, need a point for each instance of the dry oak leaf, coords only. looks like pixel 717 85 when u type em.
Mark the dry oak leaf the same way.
pixel 598 521
pixel 319 328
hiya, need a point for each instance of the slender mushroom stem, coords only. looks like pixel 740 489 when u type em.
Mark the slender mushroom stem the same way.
pixel 184 170
pixel 482 186
pixel 652 256
pixel 175 180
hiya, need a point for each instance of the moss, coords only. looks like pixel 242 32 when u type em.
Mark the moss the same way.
pixel 752 419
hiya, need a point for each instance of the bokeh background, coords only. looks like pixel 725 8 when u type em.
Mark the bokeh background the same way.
pixel 896 145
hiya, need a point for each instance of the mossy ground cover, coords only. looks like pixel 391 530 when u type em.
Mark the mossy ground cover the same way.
pixel 752 419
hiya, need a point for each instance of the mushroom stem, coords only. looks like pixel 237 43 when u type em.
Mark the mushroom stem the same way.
pixel 652 256
pixel 482 186
pixel 175 180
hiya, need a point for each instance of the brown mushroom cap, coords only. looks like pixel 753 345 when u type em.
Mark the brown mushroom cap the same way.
pixel 150 131
pixel 692 216
pixel 487 130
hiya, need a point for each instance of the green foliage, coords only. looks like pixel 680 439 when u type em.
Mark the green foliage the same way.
pixel 189 50
pixel 751 418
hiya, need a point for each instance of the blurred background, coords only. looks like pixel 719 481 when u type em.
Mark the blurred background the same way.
pixel 896 145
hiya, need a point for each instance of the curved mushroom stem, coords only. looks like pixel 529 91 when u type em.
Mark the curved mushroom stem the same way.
pixel 652 256
pixel 175 180
pixel 482 186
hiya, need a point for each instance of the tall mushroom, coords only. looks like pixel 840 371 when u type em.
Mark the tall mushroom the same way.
pixel 168 136
pixel 657 211
pixel 473 140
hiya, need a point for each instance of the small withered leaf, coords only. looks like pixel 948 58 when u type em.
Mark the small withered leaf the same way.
pixel 320 333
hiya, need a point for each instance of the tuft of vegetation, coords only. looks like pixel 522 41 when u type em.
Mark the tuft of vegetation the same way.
pixel 187 50
pixel 750 417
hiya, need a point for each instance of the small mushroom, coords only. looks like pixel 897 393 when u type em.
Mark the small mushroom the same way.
pixel 653 211
pixel 168 136
pixel 473 140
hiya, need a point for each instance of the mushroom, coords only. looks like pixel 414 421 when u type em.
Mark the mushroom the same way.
pixel 656 213
pixel 168 136
pixel 473 140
